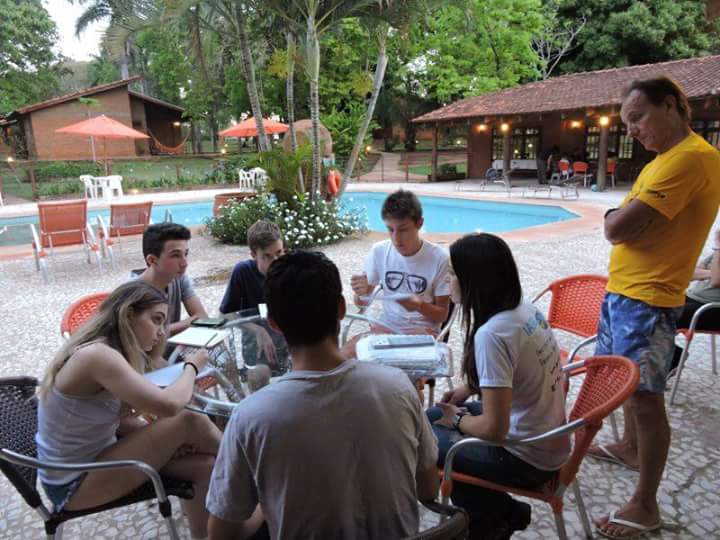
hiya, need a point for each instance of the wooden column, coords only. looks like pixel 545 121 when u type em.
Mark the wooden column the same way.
pixel 434 163
pixel 507 152
pixel 603 156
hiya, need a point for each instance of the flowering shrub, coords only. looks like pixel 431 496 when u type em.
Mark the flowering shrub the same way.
pixel 303 222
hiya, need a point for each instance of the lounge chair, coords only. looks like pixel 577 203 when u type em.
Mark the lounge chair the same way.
pixel 62 224
pixel 125 219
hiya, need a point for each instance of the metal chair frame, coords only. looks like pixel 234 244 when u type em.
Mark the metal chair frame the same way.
pixel 21 469
pixel 591 422
pixel 689 334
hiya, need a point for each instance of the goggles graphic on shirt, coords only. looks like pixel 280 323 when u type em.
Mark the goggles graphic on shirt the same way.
pixel 413 283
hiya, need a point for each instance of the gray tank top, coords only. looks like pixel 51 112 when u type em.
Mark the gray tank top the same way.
pixel 74 429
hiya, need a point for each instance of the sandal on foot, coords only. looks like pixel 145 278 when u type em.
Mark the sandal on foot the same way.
pixel 638 528
pixel 607 455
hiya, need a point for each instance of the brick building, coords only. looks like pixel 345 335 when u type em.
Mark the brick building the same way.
pixel 29 132
pixel 580 113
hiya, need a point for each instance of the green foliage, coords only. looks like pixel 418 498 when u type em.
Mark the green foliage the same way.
pixel 629 32
pixel 102 70
pixel 304 223
pixel 51 189
pixel 282 169
pixel 66 169
pixel 344 125
pixel 29 69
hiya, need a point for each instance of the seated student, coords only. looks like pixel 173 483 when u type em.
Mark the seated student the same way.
pixel 245 291
pixel 85 396
pixel 511 357
pixel 165 250
pixel 349 451
pixel 704 289
pixel 409 269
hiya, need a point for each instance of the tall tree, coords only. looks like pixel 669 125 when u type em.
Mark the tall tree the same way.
pixel 29 69
pixel 629 32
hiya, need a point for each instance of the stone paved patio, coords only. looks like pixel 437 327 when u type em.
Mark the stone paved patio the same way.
pixel 31 310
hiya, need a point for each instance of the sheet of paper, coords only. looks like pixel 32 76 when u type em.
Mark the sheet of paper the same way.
pixel 166 376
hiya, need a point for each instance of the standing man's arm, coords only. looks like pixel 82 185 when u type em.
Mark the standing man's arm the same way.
pixel 219 529
pixel 631 222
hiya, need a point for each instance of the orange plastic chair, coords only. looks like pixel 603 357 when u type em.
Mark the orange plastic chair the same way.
pixel 62 224
pixel 564 166
pixel 608 382
pixel 79 312
pixel 575 307
pixel 611 164
pixel 125 219
pixel 689 334
pixel 581 168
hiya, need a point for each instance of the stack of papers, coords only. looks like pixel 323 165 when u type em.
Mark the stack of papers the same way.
pixel 419 356
pixel 199 337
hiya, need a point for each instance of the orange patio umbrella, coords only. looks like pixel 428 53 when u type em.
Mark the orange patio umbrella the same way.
pixel 247 128
pixel 103 128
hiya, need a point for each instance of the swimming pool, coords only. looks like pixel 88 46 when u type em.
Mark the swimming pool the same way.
pixel 442 214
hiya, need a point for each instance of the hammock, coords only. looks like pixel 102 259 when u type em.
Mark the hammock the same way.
pixel 179 149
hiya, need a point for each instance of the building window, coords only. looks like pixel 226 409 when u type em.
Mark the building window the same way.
pixel 709 130
pixel 620 144
pixel 524 143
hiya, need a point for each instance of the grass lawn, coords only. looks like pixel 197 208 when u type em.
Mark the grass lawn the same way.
pixel 425 169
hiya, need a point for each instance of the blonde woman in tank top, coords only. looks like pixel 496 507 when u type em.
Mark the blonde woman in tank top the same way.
pixel 93 380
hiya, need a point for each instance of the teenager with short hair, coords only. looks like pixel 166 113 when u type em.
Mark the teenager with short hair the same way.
pixel 165 250
pixel 410 270
pixel 311 454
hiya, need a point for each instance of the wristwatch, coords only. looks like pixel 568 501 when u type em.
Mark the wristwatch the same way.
pixel 456 422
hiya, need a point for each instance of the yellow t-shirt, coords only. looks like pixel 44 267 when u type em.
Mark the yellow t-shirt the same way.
pixel 683 184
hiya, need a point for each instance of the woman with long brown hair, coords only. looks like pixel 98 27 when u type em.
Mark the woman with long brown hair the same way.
pixel 512 360
pixel 94 381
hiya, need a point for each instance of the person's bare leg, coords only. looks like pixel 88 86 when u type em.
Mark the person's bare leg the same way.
pixel 195 468
pixel 626 449
pixel 155 445
pixel 653 437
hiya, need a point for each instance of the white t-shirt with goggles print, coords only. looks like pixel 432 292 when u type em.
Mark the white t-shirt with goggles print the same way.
pixel 424 274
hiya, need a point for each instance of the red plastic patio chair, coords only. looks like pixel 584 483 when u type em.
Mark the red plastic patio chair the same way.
pixel 608 382
pixel 689 334
pixel 610 171
pixel 581 168
pixel 79 312
pixel 575 307
pixel 125 220
pixel 62 224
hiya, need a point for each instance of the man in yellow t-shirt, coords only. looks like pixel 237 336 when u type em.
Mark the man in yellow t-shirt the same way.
pixel 657 234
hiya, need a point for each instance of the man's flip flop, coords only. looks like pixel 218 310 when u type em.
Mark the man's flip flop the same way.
pixel 608 456
pixel 638 527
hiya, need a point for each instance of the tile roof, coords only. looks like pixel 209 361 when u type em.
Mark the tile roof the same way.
pixel 699 77
pixel 156 101
pixel 77 94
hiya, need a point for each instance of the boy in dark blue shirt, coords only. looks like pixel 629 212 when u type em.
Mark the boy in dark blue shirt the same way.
pixel 245 291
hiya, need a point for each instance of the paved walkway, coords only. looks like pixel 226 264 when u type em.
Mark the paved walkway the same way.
pixel 31 310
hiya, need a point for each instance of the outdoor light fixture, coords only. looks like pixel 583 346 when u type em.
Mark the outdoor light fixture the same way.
pixel 504 126
pixel 604 121
pixel 223 151
pixel 176 124
pixel 481 127
pixel 575 124
pixel 134 191
pixel 368 148
pixel 10 159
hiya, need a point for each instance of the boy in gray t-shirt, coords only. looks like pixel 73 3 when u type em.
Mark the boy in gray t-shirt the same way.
pixel 311 455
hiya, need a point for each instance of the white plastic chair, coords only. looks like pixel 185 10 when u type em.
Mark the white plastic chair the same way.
pixel 259 177
pixel 114 186
pixel 89 184
pixel 247 179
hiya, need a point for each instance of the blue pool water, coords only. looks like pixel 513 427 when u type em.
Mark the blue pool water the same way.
pixel 441 215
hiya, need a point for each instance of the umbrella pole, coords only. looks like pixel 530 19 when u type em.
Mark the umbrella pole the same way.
pixel 105 152
pixel 92 145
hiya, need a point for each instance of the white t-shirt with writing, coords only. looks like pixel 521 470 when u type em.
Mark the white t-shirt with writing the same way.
pixel 517 349
pixel 424 274
pixel 327 454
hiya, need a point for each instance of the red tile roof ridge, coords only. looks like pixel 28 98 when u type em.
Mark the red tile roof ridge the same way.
pixel 76 94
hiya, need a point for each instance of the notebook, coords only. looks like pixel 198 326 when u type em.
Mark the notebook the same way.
pixel 198 337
